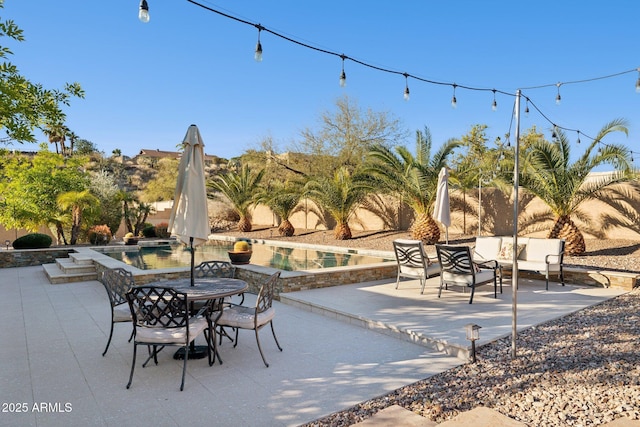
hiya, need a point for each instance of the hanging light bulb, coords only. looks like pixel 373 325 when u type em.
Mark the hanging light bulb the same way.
pixel 638 82
pixel 454 101
pixel 526 110
pixel 558 97
pixel 578 136
pixel 554 133
pixel 406 86
pixel 343 76
pixel 494 104
pixel 143 12
pixel 258 54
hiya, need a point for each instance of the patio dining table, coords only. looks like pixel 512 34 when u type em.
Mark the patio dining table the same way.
pixel 214 289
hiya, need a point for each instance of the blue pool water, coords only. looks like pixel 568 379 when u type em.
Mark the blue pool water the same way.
pixel 282 258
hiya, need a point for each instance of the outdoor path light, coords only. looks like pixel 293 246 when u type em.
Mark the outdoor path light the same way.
pixel 473 334
pixel 8 243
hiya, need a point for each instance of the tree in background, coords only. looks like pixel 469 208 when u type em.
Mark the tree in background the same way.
pixel 414 179
pixel 105 187
pixel 345 137
pixel 163 185
pixel 29 187
pixel 26 106
pixel 282 199
pixel 340 196
pixel 563 186
pixel 79 204
pixel 241 188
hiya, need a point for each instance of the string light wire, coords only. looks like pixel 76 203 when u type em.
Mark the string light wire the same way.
pixel 406 75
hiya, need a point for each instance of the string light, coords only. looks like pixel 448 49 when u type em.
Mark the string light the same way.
pixel 558 98
pixel 143 12
pixel 343 76
pixel 526 110
pixel 406 86
pixel 494 104
pixel 454 101
pixel 554 134
pixel 258 54
pixel 578 136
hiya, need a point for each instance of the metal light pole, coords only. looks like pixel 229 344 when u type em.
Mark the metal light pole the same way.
pixel 514 273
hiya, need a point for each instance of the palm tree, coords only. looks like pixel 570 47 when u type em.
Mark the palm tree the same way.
pixel 241 189
pixel 340 196
pixel 283 198
pixel 412 178
pixel 57 134
pixel 79 203
pixel 564 186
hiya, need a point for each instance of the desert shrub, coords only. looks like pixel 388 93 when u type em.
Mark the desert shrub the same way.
pixel 32 241
pixel 99 234
pixel 149 230
pixel 162 230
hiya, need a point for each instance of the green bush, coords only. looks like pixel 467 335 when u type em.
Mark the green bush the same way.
pixel 32 241
pixel 149 231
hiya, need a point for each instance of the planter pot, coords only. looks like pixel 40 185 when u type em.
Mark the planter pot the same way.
pixel 240 257
pixel 131 241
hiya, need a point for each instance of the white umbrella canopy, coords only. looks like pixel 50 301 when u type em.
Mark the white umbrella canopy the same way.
pixel 189 219
pixel 441 210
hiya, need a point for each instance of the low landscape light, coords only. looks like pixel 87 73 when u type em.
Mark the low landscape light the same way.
pixel 7 243
pixel 473 334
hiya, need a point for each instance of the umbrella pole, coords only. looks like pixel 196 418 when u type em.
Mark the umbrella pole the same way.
pixel 192 261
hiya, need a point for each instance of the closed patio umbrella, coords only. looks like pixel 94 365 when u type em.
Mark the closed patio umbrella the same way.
pixel 441 211
pixel 189 219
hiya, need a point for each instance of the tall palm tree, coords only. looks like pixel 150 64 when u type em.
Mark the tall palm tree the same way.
pixel 564 186
pixel 340 196
pixel 412 178
pixel 283 198
pixel 79 203
pixel 241 188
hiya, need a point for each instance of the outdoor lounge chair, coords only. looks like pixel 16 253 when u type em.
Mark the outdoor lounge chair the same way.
pixel 161 317
pixel 413 262
pixel 243 317
pixel 117 282
pixel 459 268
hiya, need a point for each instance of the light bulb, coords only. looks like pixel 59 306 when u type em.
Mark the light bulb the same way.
pixel 454 101
pixel 143 13
pixel 343 79
pixel 638 85
pixel 406 93
pixel 494 105
pixel 558 97
pixel 258 54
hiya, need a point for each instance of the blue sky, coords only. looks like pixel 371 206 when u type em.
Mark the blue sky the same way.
pixel 146 83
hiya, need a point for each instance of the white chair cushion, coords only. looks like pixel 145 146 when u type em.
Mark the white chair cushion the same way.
pixel 172 335
pixel 538 249
pixel 122 313
pixel 412 271
pixel 482 276
pixel 242 317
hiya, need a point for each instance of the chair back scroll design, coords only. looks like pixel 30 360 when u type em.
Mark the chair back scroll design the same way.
pixel 459 268
pixel 161 317
pixel 117 282
pixel 413 261
pixel 215 269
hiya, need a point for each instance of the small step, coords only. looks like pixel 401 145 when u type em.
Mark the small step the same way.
pixel 80 259
pixel 56 276
pixel 69 266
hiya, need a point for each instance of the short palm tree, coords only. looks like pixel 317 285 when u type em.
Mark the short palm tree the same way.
pixel 79 203
pixel 241 188
pixel 282 199
pixel 564 186
pixel 340 196
pixel 412 178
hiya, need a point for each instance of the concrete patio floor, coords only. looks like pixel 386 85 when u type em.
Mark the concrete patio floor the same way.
pixel 53 336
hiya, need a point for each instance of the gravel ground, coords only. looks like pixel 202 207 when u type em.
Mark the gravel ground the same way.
pixel 557 378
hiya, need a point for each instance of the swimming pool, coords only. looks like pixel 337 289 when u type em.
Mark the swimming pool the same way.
pixel 282 258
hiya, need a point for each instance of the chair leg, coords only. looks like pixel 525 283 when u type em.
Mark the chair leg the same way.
pixel 441 285
pixel 561 275
pixel 422 283
pixel 184 365
pixel 473 289
pixel 274 336
pixel 109 340
pixel 133 365
pixel 398 280
pixel 260 348
pixel 235 342
pixel 133 334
